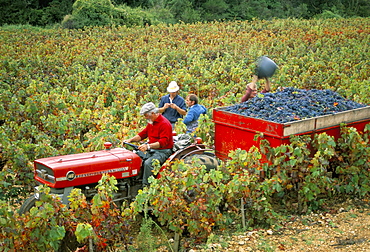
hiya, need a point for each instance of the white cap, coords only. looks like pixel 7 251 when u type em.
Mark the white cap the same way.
pixel 172 87
pixel 148 107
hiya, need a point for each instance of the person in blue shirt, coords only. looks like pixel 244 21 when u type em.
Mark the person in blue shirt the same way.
pixel 172 106
pixel 195 110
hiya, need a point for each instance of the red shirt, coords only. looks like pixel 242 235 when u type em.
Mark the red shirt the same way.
pixel 160 131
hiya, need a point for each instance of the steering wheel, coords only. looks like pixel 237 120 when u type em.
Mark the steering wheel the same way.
pixel 132 145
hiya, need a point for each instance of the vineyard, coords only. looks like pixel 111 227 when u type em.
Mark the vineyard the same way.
pixel 69 91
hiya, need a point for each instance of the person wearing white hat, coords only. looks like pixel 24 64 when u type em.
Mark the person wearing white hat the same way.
pixel 160 139
pixel 172 106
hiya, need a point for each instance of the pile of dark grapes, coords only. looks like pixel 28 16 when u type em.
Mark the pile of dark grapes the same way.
pixel 293 104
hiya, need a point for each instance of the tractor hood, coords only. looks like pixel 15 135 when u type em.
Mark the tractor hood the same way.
pixel 86 168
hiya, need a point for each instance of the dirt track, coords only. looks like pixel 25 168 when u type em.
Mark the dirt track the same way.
pixel 345 228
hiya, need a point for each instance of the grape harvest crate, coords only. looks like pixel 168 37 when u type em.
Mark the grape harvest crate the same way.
pixel 233 131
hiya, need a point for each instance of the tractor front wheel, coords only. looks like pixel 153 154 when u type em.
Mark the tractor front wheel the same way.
pixel 68 243
pixel 28 204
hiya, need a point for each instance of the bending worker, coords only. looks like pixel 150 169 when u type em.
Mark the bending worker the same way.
pixel 195 110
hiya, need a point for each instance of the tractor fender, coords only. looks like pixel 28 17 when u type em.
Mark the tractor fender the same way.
pixel 187 154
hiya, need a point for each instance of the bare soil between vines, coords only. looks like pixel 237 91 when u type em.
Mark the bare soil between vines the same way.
pixel 341 227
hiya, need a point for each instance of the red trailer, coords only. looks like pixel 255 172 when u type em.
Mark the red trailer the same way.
pixel 233 131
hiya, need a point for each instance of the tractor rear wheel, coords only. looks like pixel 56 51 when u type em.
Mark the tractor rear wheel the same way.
pixel 207 159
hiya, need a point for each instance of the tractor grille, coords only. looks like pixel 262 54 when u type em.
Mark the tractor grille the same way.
pixel 45 173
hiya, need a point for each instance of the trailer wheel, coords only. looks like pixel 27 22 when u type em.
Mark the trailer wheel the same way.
pixel 207 159
pixel 28 204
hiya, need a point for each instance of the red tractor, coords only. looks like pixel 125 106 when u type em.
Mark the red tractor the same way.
pixel 84 170
pixel 232 131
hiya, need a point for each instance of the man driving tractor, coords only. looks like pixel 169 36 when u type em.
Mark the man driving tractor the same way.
pixel 160 139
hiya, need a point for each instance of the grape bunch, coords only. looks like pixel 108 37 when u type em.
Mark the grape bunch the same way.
pixel 293 104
